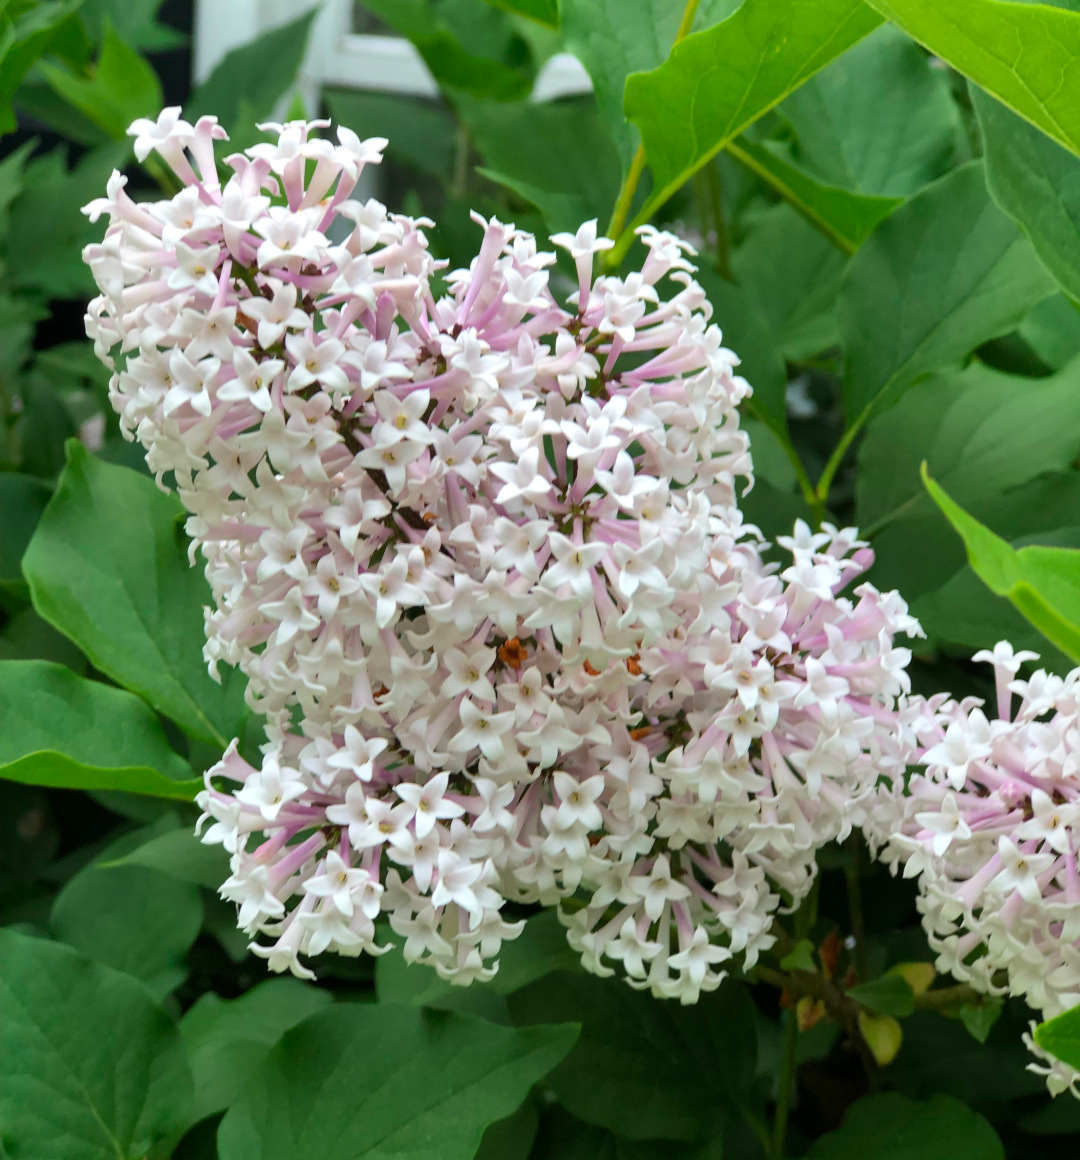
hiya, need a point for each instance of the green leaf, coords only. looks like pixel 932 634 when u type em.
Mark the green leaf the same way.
pixel 793 275
pixel 1043 583
pixel 645 1068
pixel 942 274
pixel 542 11
pixel 60 730
pixel 37 100
pixel 121 87
pixel 323 1091
pixel 227 1039
pixel 22 500
pixel 511 1138
pixel 180 854
pixel 845 218
pixel 26 637
pixel 1037 183
pixel 614 38
pixel 562 1137
pixel 108 566
pixel 420 133
pixel 134 21
pixel 27 31
pixel 11 178
pixel 257 73
pixel 749 328
pixel 468 46
pixel 568 186
pixel 717 82
pixel 879 120
pixel 801 958
pixel 890 994
pixel 91 1067
pixel 133 919
pixel 892 1127
pixel 939 1057
pixel 1061 1036
pixel 979 1018
pixel 50 260
pixel 980 432
pixel 918 552
pixel 1052 330
pixel 963 615
pixel 1023 54
pixel 43 427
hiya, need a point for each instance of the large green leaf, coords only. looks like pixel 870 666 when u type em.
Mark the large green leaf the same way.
pixel 614 38
pixel 108 566
pixel 121 87
pixel 1061 1037
pixel 718 81
pixel 879 120
pixel 468 46
pixel 91 1067
pixel 892 1127
pixel 980 431
pixel 227 1039
pixel 940 276
pixel 27 30
pixel 845 218
pixel 1024 54
pixel 568 186
pixel 645 1068
pixel 364 1081
pixel 1036 182
pixel 1043 583
pixel 61 730
pixel 180 854
pixel 130 918
pixel 253 76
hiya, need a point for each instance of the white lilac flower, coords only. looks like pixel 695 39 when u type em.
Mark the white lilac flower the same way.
pixel 481 561
pixel 990 827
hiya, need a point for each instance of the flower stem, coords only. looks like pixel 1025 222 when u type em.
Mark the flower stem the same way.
pixel 630 183
pixel 716 204
pixel 787 1083
pixel 626 195
pixel 855 910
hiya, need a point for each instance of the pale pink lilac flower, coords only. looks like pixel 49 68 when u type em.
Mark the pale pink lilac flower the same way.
pixel 481 561
pixel 990 827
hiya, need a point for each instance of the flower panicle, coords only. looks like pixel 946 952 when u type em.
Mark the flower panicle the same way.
pixel 480 557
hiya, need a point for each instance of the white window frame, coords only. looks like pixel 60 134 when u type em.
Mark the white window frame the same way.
pixel 338 56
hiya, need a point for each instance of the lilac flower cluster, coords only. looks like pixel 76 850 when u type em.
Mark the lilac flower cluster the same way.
pixel 480 558
pixel 991 830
